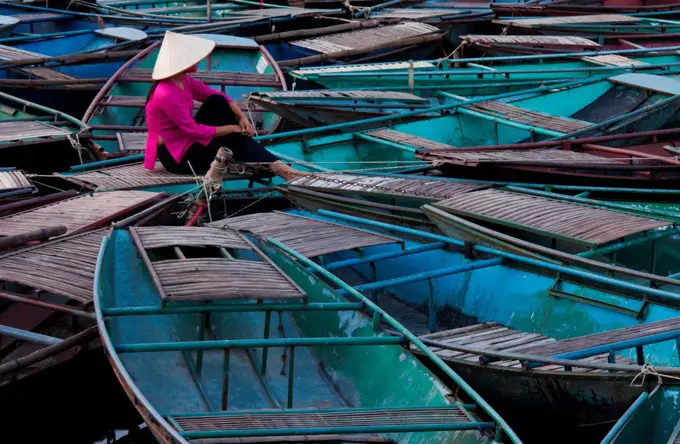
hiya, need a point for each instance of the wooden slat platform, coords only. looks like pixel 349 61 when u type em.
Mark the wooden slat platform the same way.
pixel 128 177
pixel 14 180
pixel 384 185
pixel 495 337
pixel 39 16
pixel 350 95
pixel 552 40
pixel 566 20
pixel 531 157
pixel 209 278
pixel 64 266
pixel 284 12
pixel 11 53
pixel 132 143
pixel 612 60
pixel 14 131
pixel 549 217
pixel 78 213
pixel 309 237
pixel 315 418
pixel 408 139
pixel 366 38
pixel 140 102
pixel 363 67
pixel 521 115
pixel 417 14
pixel 210 77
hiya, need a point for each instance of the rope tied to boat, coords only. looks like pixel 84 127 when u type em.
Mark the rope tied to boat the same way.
pixel 74 140
pixel 648 369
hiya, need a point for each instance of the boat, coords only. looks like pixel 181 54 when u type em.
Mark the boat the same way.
pixel 14 185
pixel 484 75
pixel 665 8
pixel 237 66
pixel 38 139
pixel 56 82
pixel 645 160
pixel 560 111
pixel 535 345
pixel 595 24
pixel 227 362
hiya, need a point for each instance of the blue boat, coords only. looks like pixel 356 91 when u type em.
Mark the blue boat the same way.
pixel 524 331
pixel 213 363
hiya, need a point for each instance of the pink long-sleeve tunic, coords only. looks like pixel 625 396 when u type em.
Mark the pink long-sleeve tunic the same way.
pixel 169 114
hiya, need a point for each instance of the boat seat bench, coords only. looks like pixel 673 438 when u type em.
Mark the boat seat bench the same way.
pixel 211 77
pixel 139 102
pixel 233 424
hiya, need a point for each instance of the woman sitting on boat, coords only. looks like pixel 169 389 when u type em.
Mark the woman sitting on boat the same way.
pixel 186 144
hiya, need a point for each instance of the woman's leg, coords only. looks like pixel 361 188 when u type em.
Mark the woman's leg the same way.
pixel 215 111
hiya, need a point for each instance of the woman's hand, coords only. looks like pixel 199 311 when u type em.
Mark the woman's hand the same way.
pixel 246 127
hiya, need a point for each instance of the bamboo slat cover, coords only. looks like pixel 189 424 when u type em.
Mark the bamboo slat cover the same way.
pixel 384 185
pixel 11 180
pixel 200 279
pixel 170 236
pixel 283 12
pixel 210 77
pixel 408 139
pixel 12 131
pixel 572 19
pixel 580 223
pixel 128 177
pixel 543 156
pixel 363 67
pixel 531 40
pixel 12 53
pixel 521 115
pixel 132 143
pixel 613 60
pixel 353 95
pixel 50 74
pixel 496 337
pixel 309 237
pixel 320 418
pixel 37 15
pixel 65 266
pixel 416 14
pixel 78 213
pixel 606 337
pixel 365 38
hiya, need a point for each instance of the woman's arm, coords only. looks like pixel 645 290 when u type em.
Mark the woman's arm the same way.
pixel 200 91
pixel 243 122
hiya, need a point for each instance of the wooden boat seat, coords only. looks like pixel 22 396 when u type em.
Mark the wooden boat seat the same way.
pixel 139 102
pixel 14 180
pixel 366 38
pixel 132 143
pixel 492 336
pixel 78 213
pixel 531 157
pixel 384 186
pixel 347 95
pixel 521 115
pixel 418 14
pixel 266 422
pixel 12 131
pixel 408 139
pixel 41 16
pixel 549 217
pixel 64 266
pixel 211 77
pixel 361 68
pixel 309 237
pixel 568 20
pixel 11 53
pixel 129 177
pixel 532 40
pixel 613 60
pixel 211 278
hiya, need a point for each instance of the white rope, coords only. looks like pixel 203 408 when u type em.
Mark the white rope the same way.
pixel 648 369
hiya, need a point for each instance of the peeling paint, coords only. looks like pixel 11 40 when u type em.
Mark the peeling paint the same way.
pixel 351 321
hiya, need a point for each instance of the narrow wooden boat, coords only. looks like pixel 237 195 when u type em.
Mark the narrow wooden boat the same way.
pixel 40 139
pixel 534 343
pixel 159 314
pixel 486 75
pixel 62 85
pixel 559 8
pixel 596 24
pixel 648 163
pixel 237 67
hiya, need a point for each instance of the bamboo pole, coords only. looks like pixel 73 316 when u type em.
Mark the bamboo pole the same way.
pixel 34 235
pixel 14 297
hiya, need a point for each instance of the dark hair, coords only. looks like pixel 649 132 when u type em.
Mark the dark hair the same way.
pixel 152 88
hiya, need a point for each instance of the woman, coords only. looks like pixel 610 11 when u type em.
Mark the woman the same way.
pixel 186 144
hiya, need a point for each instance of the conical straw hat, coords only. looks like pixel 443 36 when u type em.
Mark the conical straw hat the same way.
pixel 179 52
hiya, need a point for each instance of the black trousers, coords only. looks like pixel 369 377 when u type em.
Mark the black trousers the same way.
pixel 215 111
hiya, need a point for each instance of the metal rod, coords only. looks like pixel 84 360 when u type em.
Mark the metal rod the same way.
pixel 383 256
pixel 609 438
pixel 291 376
pixel 229 308
pixel 14 297
pixel 475 265
pixel 29 336
pixel 253 343
pixel 389 320
pixel 631 243
pixel 265 350
pixel 225 380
